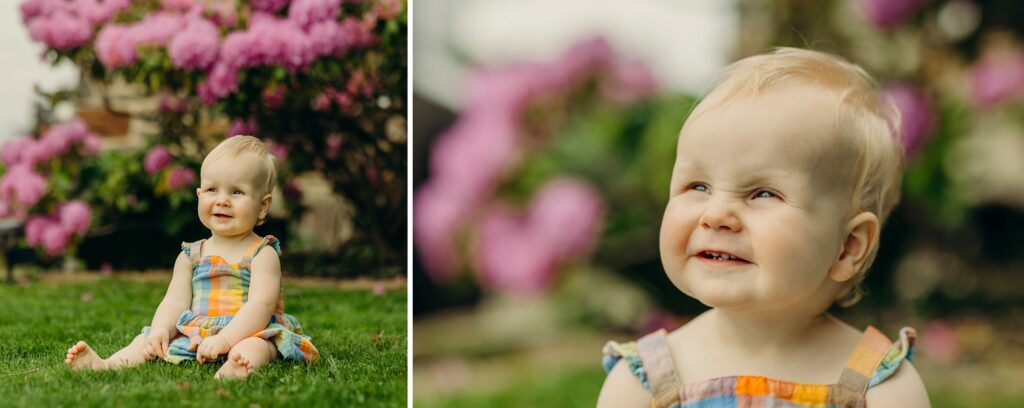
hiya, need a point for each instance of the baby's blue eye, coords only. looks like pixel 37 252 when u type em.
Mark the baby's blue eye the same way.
pixel 765 194
pixel 238 192
pixel 700 187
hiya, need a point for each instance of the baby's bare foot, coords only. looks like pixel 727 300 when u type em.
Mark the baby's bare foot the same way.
pixel 236 367
pixel 81 357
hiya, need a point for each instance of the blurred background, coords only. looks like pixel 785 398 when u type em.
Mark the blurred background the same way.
pixel 109 107
pixel 545 134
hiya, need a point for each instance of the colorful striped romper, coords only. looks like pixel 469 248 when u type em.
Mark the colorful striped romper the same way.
pixel 874 359
pixel 219 289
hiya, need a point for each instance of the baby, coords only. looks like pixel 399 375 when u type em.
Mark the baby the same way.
pixel 215 307
pixel 784 175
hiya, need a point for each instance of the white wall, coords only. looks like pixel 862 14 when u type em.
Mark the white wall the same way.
pixel 20 69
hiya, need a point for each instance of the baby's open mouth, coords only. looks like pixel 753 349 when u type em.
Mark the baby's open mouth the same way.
pixel 721 256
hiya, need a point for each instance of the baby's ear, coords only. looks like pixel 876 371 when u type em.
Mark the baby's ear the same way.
pixel 265 204
pixel 861 236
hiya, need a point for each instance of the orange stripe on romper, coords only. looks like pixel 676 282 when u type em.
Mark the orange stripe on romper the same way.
pixel 214 289
pixel 751 386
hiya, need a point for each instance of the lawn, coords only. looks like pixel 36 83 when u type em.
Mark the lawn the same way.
pixel 361 338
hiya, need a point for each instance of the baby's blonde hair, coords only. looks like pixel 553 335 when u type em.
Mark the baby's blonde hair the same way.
pixel 234 146
pixel 865 121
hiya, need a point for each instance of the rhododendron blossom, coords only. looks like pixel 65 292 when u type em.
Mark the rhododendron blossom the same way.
pixel 75 216
pixel 22 184
pixel 55 238
pixel 180 177
pixel 61 30
pixel 156 159
pixel 196 47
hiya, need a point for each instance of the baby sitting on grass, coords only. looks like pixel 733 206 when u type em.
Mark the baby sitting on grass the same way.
pixel 213 306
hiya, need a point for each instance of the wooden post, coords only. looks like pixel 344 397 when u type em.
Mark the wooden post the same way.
pixel 8 229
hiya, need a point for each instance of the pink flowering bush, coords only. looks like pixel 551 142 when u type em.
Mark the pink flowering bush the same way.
pixel 35 187
pixel 156 159
pixel 508 198
pixel 304 75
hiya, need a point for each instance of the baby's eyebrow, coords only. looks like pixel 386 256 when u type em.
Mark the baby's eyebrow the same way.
pixel 771 178
pixel 687 168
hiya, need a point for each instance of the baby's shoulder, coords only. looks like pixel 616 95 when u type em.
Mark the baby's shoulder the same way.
pixel 903 388
pixel 621 389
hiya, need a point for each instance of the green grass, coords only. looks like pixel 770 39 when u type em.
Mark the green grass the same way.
pixel 569 388
pixel 361 338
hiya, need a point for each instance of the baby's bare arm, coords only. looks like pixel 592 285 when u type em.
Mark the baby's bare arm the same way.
pixel 903 389
pixel 178 297
pixel 621 389
pixel 264 290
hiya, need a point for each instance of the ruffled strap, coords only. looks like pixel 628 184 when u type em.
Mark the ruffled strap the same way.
pixel 255 248
pixel 650 361
pixel 900 351
pixel 192 250
pixel 874 359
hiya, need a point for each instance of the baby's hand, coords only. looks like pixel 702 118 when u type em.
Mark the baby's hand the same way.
pixel 211 348
pixel 156 343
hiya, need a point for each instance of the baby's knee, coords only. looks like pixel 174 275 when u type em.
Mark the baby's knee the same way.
pixel 247 347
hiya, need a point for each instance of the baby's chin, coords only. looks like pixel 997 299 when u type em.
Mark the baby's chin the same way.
pixel 718 294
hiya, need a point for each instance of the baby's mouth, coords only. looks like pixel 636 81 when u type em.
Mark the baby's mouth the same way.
pixel 721 256
pixel 223 216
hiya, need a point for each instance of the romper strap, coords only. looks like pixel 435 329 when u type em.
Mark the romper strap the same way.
pixel 255 247
pixel 902 349
pixel 867 355
pixel 660 368
pixel 192 250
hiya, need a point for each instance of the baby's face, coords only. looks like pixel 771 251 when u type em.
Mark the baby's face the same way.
pixel 757 210
pixel 231 196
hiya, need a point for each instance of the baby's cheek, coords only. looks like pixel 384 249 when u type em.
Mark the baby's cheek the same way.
pixel 676 228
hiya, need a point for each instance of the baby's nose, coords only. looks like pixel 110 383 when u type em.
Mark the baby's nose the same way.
pixel 720 216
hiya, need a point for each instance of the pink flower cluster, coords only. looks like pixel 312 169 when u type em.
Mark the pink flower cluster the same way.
pixel 468 161
pixel 180 177
pixel 117 44
pixel 890 13
pixel 310 31
pixel 21 184
pixel 521 253
pixel 63 24
pixel 196 47
pixel 269 6
pixel 998 77
pixel 55 231
pixel 916 117
pixel 156 159
pixel 54 142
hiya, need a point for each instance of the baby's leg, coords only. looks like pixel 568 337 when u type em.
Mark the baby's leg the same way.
pixel 82 357
pixel 246 356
